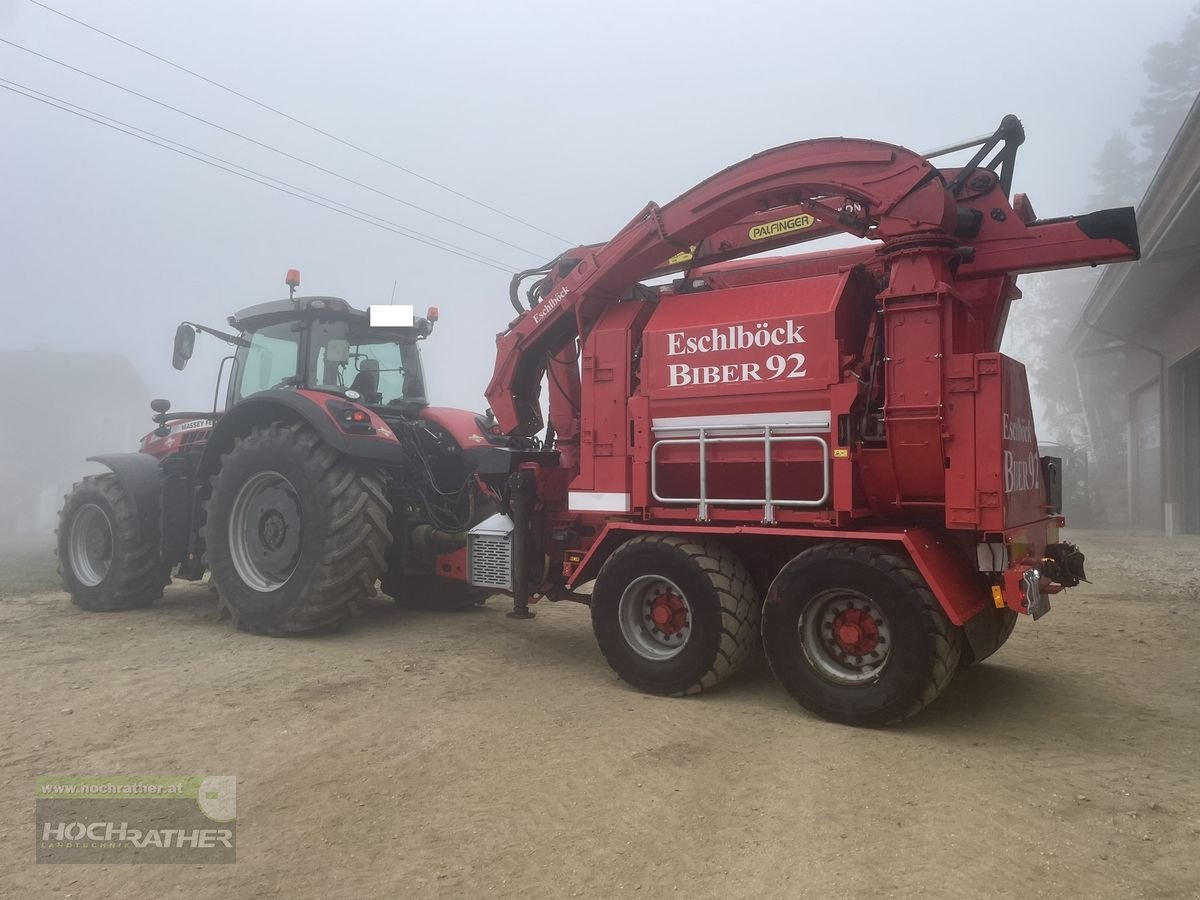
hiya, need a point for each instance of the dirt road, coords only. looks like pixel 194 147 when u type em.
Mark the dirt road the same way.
pixel 468 754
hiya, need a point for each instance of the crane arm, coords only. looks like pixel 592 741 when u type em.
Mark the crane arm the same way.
pixel 888 191
pixel 789 195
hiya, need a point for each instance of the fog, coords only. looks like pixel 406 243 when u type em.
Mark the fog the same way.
pixel 564 115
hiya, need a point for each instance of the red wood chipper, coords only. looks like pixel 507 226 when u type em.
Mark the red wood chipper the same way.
pixel 831 438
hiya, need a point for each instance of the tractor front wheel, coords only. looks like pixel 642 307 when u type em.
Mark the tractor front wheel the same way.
pixel 295 531
pixel 105 560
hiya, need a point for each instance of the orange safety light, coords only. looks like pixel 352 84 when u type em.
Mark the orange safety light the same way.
pixel 432 314
pixel 293 278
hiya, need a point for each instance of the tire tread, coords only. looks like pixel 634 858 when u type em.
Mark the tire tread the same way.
pixel 352 553
pixel 735 592
pixel 136 578
pixel 948 640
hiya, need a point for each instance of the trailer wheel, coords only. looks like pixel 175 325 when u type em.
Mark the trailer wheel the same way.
pixel 105 561
pixel 674 616
pixel 295 532
pixel 855 635
pixel 983 642
pixel 432 592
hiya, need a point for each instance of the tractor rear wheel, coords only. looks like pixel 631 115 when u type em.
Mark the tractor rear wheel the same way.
pixel 674 616
pixel 432 592
pixel 855 635
pixel 295 532
pixel 105 560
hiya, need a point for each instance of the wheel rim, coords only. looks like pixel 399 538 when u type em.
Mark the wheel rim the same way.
pixel 90 547
pixel 265 531
pixel 655 617
pixel 845 636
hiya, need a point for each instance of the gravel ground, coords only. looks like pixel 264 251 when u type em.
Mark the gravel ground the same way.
pixel 430 754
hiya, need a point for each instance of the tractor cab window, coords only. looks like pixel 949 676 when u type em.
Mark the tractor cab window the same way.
pixel 386 372
pixel 269 361
pixel 384 367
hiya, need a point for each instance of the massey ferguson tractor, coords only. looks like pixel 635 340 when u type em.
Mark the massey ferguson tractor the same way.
pixel 825 449
pixel 326 472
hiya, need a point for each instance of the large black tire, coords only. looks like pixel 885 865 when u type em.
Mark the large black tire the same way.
pixel 855 635
pixel 985 638
pixel 704 589
pixel 432 592
pixel 295 531
pixel 106 562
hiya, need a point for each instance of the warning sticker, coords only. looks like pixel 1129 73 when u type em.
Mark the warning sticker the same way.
pixel 781 226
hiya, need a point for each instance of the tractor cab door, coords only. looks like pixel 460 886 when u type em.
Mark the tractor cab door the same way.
pixel 272 360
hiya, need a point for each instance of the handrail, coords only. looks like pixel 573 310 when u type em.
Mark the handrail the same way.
pixel 768 436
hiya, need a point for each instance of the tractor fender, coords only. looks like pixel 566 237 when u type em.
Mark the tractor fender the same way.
pixel 462 425
pixel 290 407
pixel 138 475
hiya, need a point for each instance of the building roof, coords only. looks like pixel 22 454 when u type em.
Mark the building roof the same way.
pixel 1129 295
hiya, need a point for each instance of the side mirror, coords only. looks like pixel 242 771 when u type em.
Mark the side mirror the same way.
pixel 160 408
pixel 185 342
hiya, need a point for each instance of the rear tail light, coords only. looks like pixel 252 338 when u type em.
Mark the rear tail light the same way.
pixel 350 418
pixel 571 561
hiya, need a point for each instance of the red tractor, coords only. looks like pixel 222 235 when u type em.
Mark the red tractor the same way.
pixel 826 450
pixel 327 472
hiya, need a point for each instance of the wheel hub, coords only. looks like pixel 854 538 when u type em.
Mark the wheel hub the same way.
pixel 265 531
pixel 273 529
pixel 90 545
pixel 655 617
pixel 97 542
pixel 668 613
pixel 845 636
pixel 856 632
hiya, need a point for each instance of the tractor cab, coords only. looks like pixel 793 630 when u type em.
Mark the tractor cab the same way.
pixel 369 357
pixel 324 344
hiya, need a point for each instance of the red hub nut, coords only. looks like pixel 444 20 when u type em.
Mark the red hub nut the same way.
pixel 855 632
pixel 668 613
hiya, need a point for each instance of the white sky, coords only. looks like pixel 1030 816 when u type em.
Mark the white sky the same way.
pixel 570 115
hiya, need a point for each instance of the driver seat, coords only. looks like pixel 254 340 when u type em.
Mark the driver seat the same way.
pixel 366 382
